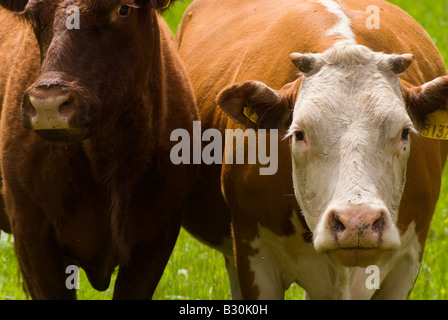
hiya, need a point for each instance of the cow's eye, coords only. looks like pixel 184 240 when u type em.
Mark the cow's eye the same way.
pixel 405 134
pixel 300 136
pixel 124 11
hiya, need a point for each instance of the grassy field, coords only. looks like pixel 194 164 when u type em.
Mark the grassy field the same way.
pixel 197 272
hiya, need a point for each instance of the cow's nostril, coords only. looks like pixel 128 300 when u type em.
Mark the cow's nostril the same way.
pixel 335 223
pixel 378 225
pixel 66 109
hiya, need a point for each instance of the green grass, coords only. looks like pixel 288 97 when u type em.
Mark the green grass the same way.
pixel 432 282
pixel 174 14
pixel 433 16
pixel 197 272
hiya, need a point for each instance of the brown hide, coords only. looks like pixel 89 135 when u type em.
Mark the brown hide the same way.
pixel 226 42
pixel 114 198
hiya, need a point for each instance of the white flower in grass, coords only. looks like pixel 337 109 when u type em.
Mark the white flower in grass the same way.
pixel 183 273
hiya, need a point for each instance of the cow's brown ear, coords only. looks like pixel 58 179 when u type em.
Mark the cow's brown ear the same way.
pixel 14 5
pixel 425 99
pixel 255 105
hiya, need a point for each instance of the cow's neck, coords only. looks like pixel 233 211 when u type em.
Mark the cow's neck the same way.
pixel 122 153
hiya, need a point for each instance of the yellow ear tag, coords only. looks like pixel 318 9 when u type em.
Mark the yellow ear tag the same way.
pixel 436 125
pixel 250 114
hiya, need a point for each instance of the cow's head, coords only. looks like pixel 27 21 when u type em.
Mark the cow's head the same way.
pixel 96 56
pixel 350 133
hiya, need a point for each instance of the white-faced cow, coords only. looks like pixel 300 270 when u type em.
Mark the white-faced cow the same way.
pixel 356 183
pixel 85 141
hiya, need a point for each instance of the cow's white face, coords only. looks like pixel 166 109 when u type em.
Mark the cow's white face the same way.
pixel 350 145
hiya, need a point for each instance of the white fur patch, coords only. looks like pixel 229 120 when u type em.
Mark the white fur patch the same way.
pixel 343 28
pixel 281 260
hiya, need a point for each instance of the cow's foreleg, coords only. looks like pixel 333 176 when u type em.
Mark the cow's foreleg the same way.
pixel 235 290
pixel 258 272
pixel 40 258
pixel 138 278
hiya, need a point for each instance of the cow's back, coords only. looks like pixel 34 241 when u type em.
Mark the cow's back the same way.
pixel 223 42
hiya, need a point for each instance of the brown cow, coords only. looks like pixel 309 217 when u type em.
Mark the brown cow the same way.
pixel 349 117
pixel 85 141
